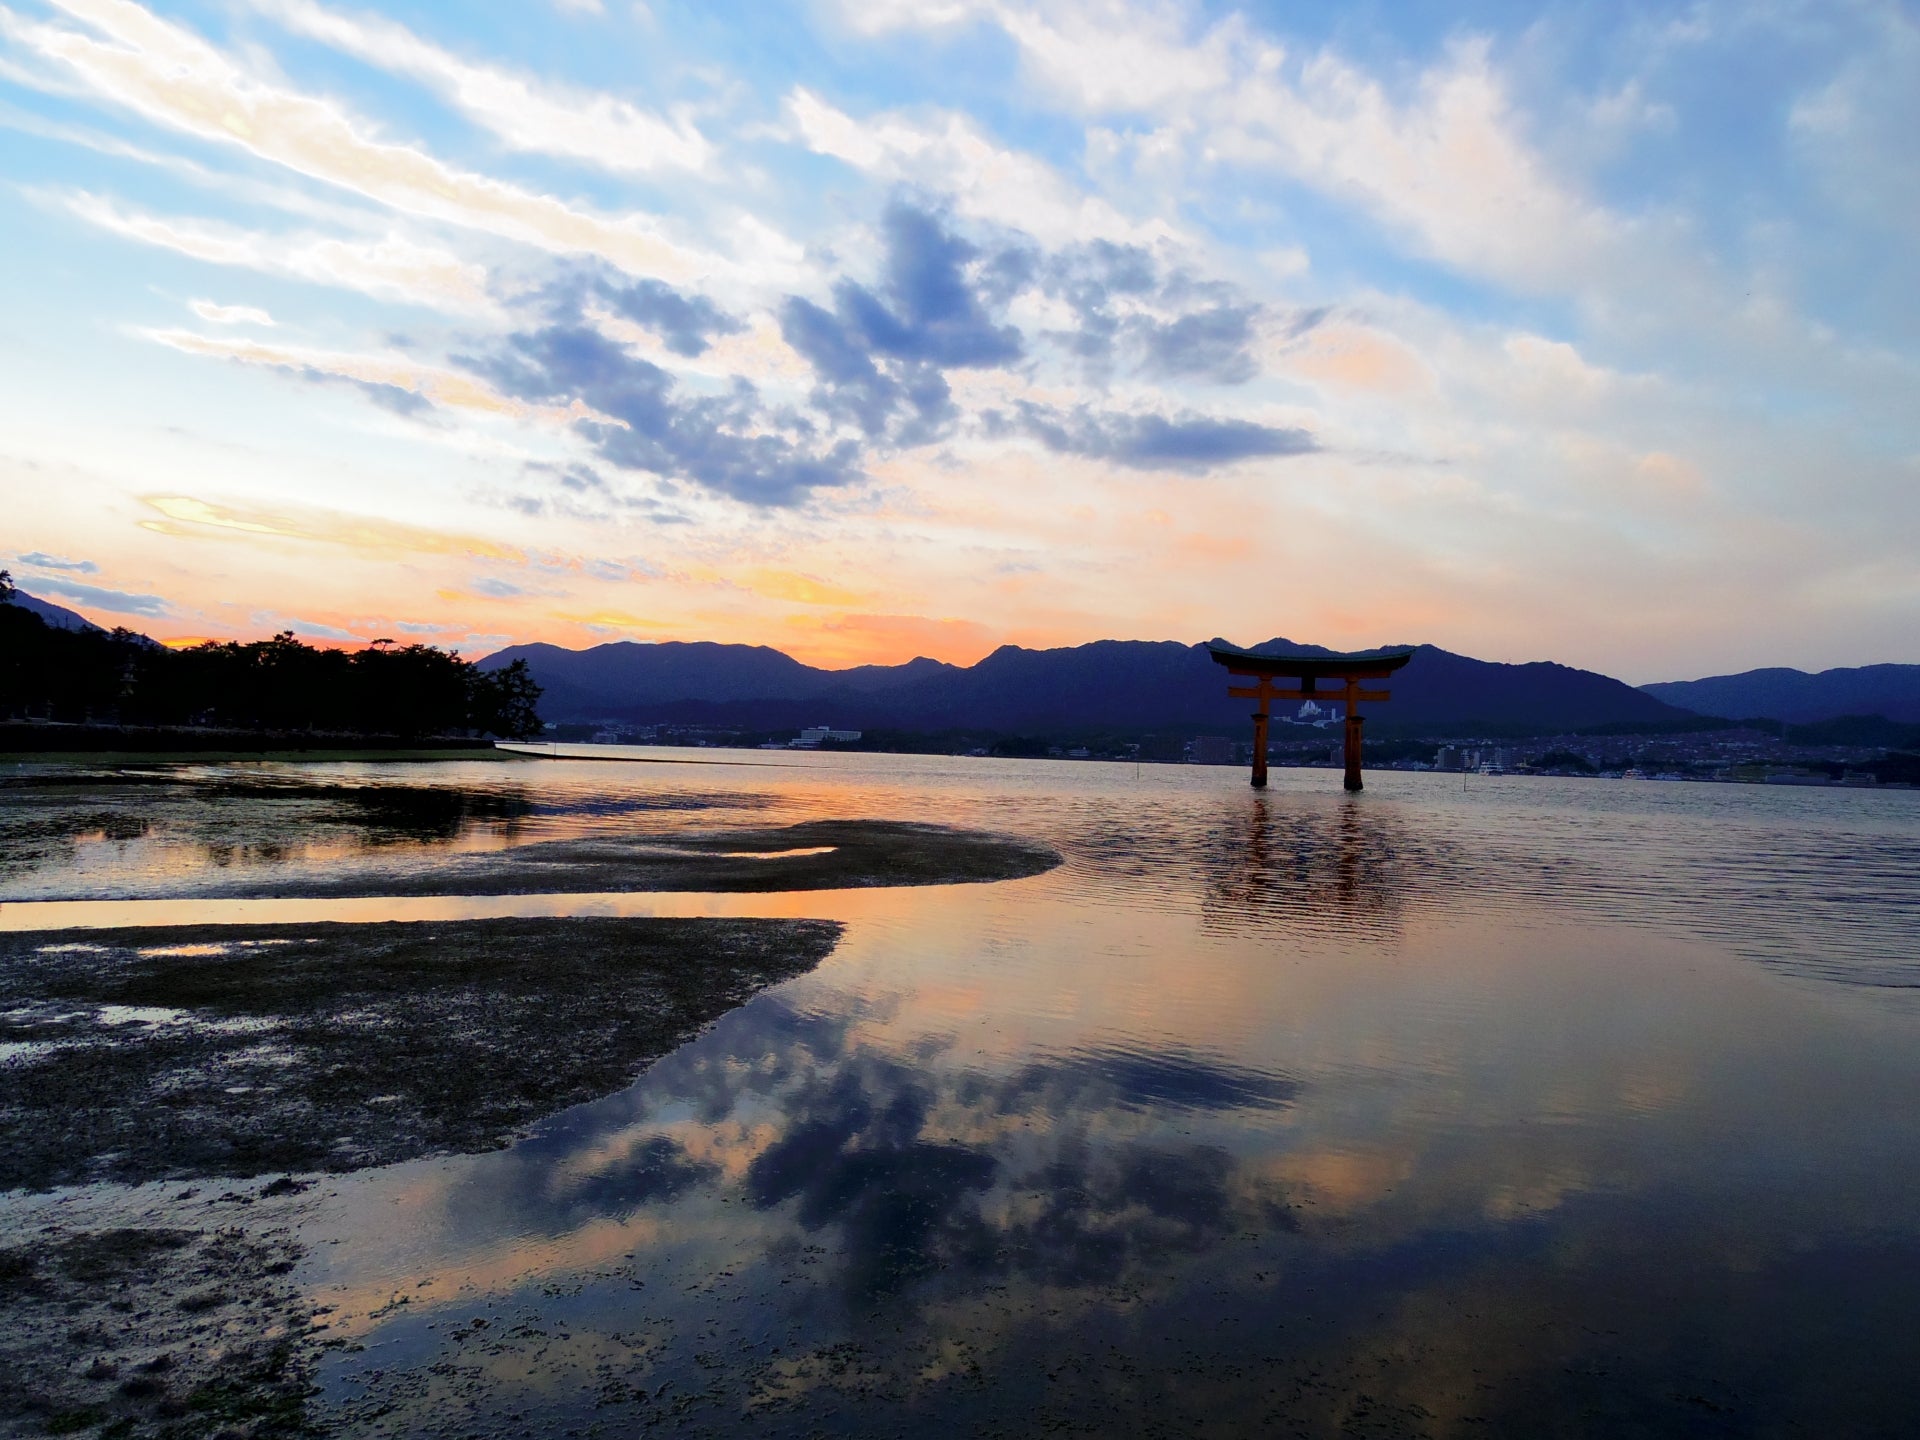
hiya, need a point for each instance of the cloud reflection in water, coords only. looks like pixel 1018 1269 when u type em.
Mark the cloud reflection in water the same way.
pixel 1437 1110
pixel 998 1166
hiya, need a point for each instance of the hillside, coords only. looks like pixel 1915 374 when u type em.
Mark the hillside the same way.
pixel 1798 697
pixel 1128 684
pixel 58 616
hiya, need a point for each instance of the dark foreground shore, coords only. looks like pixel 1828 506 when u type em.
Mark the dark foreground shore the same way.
pixel 157 1329
pixel 814 855
pixel 188 1052
pixel 219 1053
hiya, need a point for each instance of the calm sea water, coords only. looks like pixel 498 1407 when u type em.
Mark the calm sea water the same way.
pixel 1503 1106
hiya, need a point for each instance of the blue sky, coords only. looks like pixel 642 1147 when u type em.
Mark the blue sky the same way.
pixel 1583 332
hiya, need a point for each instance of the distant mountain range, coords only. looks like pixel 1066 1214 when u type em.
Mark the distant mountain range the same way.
pixel 1108 684
pixel 1135 685
pixel 1798 697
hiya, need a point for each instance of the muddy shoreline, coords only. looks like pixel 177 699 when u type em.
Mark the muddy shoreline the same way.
pixel 187 1325
pixel 226 1055
pixel 185 1052
pixel 228 1068
pixel 812 855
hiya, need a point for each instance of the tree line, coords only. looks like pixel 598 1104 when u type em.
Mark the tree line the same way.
pixel 281 684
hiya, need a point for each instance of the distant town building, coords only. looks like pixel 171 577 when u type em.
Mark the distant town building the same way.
pixel 1210 750
pixel 814 736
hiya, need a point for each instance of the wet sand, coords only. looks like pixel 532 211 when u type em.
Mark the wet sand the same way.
pixel 212 1064
pixel 157 1329
pixel 814 855
pixel 188 1052
pixel 215 1053
pixel 246 834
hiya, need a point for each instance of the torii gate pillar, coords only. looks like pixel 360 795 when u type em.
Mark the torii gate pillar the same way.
pixel 1309 670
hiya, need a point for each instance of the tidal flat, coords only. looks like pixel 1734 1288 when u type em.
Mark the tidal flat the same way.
pixel 1492 1106
pixel 192 1052
pixel 226 1053
pixel 139 1057
pixel 259 832
pixel 149 1329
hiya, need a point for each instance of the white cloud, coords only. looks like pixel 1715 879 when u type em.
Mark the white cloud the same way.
pixel 758 352
pixel 390 268
pixel 1098 55
pixel 117 602
pixel 579 125
pixel 874 17
pixel 1447 167
pixel 1857 130
pixel 176 79
pixel 313 628
pixel 987 181
pixel 1107 56
pixel 451 389
pixel 40 560
pixel 216 314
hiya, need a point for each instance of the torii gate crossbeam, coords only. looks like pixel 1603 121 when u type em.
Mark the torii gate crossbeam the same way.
pixel 1308 671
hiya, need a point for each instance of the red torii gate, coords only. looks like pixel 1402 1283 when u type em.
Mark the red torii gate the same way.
pixel 1309 670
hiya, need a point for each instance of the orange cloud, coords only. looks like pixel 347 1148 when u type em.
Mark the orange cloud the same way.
pixel 1670 476
pixel 615 620
pixel 186 516
pixel 1351 357
pixel 803 589
pixel 1213 547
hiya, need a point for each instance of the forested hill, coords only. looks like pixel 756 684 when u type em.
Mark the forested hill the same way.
pixel 1108 683
pixel 118 678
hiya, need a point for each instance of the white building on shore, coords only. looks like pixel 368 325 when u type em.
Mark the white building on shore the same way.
pixel 814 736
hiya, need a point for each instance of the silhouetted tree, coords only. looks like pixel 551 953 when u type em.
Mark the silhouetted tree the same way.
pixel 279 684
pixel 505 701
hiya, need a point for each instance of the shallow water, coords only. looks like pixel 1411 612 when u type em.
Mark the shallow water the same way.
pixel 1505 1105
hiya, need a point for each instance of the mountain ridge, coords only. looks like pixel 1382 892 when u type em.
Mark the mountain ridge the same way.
pixel 58 616
pixel 1801 697
pixel 1134 684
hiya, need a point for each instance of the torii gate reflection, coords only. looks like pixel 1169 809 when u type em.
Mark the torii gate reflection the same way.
pixel 1309 670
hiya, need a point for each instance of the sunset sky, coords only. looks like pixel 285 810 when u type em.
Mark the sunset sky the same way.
pixel 914 327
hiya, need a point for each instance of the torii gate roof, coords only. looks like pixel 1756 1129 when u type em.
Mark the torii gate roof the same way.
pixel 1318 667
